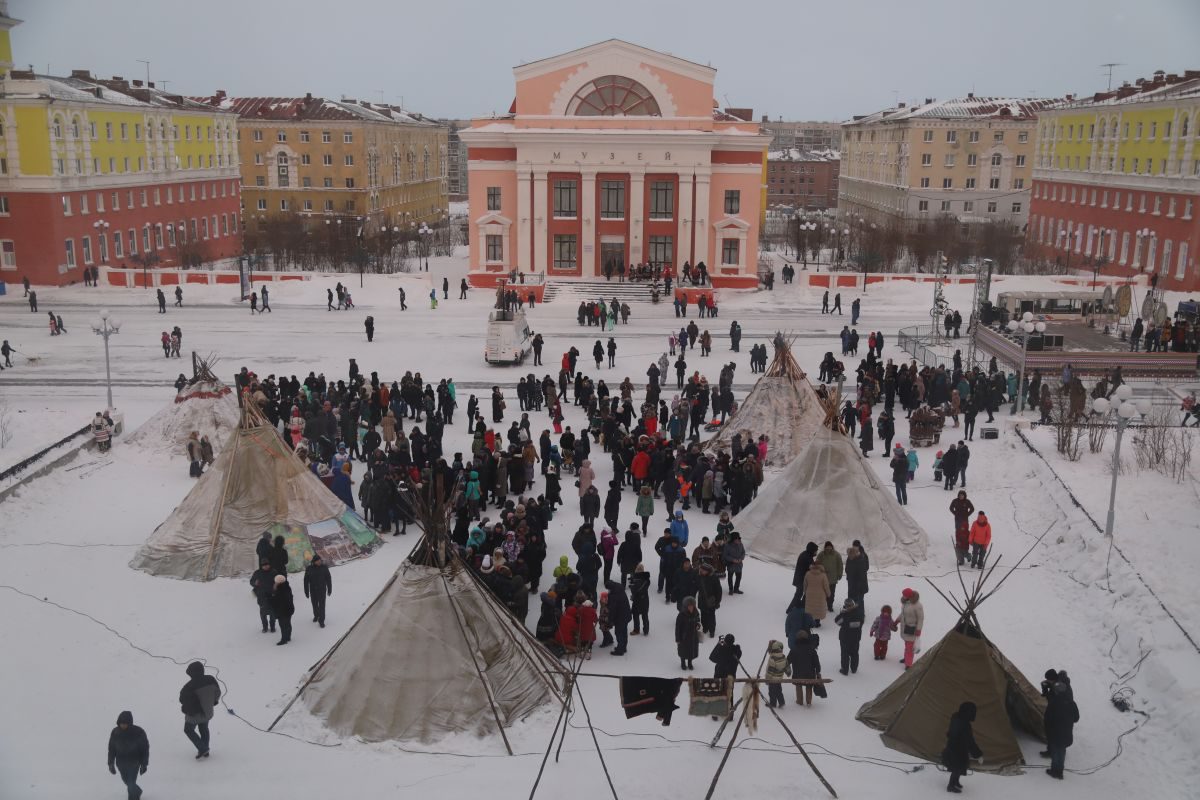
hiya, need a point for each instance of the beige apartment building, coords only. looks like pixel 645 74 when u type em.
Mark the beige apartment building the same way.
pixel 339 158
pixel 971 158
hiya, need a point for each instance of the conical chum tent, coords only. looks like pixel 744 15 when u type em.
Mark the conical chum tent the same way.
pixel 256 485
pixel 914 712
pixel 435 655
pixel 781 405
pixel 829 493
pixel 205 406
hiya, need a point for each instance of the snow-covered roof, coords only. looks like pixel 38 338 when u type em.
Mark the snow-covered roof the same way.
pixel 969 107
pixel 81 87
pixel 1161 87
pixel 297 109
pixel 796 154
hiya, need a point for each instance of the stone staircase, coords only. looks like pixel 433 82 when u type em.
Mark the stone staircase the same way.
pixel 575 291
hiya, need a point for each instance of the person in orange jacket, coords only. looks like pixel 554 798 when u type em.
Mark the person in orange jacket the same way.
pixel 981 538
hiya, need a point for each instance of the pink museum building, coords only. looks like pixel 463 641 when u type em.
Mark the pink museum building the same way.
pixel 615 154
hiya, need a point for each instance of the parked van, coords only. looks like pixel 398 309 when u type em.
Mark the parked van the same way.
pixel 509 339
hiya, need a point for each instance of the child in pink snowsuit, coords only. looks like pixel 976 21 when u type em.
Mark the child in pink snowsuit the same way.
pixel 881 630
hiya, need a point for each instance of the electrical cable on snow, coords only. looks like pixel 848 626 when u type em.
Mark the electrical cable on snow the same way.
pixel 215 671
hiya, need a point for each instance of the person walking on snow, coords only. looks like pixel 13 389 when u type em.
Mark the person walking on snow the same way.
pixel 980 539
pixel 179 297
pixel 197 699
pixel 318 584
pixel 911 622
pixel 128 753
pixel 960 746
pixel 284 607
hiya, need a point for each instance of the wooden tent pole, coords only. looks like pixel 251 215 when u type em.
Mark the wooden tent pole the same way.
pixel 487 689
pixel 567 698
pixel 712 787
pixel 596 742
pixel 216 529
pixel 554 733
pixel 1013 568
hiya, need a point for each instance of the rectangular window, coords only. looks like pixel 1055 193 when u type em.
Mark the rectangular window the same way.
pixel 4 205
pixel 328 205
pixel 927 159
pixel 564 252
pixel 993 183
pixel 998 136
pixel 170 234
pixel 87 249
pixel 348 161
pixel 949 160
pixel 612 199
pixel 70 254
pixel 927 136
pixel 951 136
pixel 258 137
pixel 493 198
pixel 304 136
pixel 924 183
pixel 225 218
pixel 1020 161
pixel 947 183
pixel 118 245
pixel 731 251
pixel 347 137
pixel 733 201
pixel 662 200
pixel 262 204
pixel 327 159
pixel 305 159
pixel 1023 137
pixel 146 239
pixel 108 131
pixel 8 254
pixel 968 206
pixel 566 197
pixel 991 207
pixel 972 160
pixel 1016 208
pixel 325 138
pixel 923 205
pixel 349 183
pixel 258 159
pixel 945 205
pixel 970 183
pixel 1018 183
pixel 973 136
pixel 495 248
pixel 260 180
pixel 66 205
pixel 283 205
pixel 281 136
pixel 306 182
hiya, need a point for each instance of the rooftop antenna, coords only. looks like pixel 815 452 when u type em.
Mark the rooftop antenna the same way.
pixel 164 84
pixel 1109 66
pixel 147 63
pixel 380 96
pixel 895 97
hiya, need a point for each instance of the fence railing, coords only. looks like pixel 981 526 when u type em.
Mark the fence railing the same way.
pixel 922 343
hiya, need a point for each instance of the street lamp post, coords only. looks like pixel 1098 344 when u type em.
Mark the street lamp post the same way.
pixel 102 227
pixel 105 327
pixel 1025 329
pixel 425 232
pixel 1099 260
pixel 1064 241
pixel 1123 411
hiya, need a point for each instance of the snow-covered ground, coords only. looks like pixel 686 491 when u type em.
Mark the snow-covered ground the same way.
pixel 85 637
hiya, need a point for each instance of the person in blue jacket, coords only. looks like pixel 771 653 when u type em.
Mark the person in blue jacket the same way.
pixel 342 486
pixel 679 529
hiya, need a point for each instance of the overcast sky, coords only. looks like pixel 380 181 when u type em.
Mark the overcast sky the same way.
pixel 454 58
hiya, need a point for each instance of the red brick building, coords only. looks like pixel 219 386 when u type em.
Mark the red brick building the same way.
pixel 803 179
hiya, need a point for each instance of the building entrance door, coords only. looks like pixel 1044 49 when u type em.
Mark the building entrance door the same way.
pixel 612 253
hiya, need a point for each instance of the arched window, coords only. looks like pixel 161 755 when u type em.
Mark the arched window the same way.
pixel 613 96
pixel 75 127
pixel 57 128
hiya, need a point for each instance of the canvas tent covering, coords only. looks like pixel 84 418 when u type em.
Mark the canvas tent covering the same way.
pixel 256 485
pixel 781 405
pixel 435 655
pixel 829 493
pixel 914 712
pixel 206 406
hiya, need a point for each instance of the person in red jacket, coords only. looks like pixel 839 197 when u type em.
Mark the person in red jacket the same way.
pixel 981 539
pixel 639 468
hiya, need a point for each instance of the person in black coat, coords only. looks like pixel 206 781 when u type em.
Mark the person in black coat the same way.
pixel 855 569
pixel 639 591
pixel 802 565
pixel 612 504
pixel 279 557
pixel 262 583
pixel 318 584
pixel 686 584
pixel 263 548
pixel 284 607
pixel 850 625
pixel 1060 717
pixel 619 615
pixel 128 753
pixel 805 664
pixel 629 554
pixel 725 657
pixel 960 746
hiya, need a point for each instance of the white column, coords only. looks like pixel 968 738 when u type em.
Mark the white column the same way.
pixel 540 220
pixel 683 239
pixel 637 216
pixel 587 209
pixel 704 229
pixel 524 221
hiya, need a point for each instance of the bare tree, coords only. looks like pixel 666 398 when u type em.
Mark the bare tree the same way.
pixel 1000 241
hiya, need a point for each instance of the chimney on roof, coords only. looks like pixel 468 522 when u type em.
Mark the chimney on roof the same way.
pixel 765 118
pixel 928 100
pixel 1070 97
pixel 902 104
pixel 970 95
pixel 82 74
pixel 137 83
pixel 150 84
pixel 219 95
pixel 308 98
pixel 1189 74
